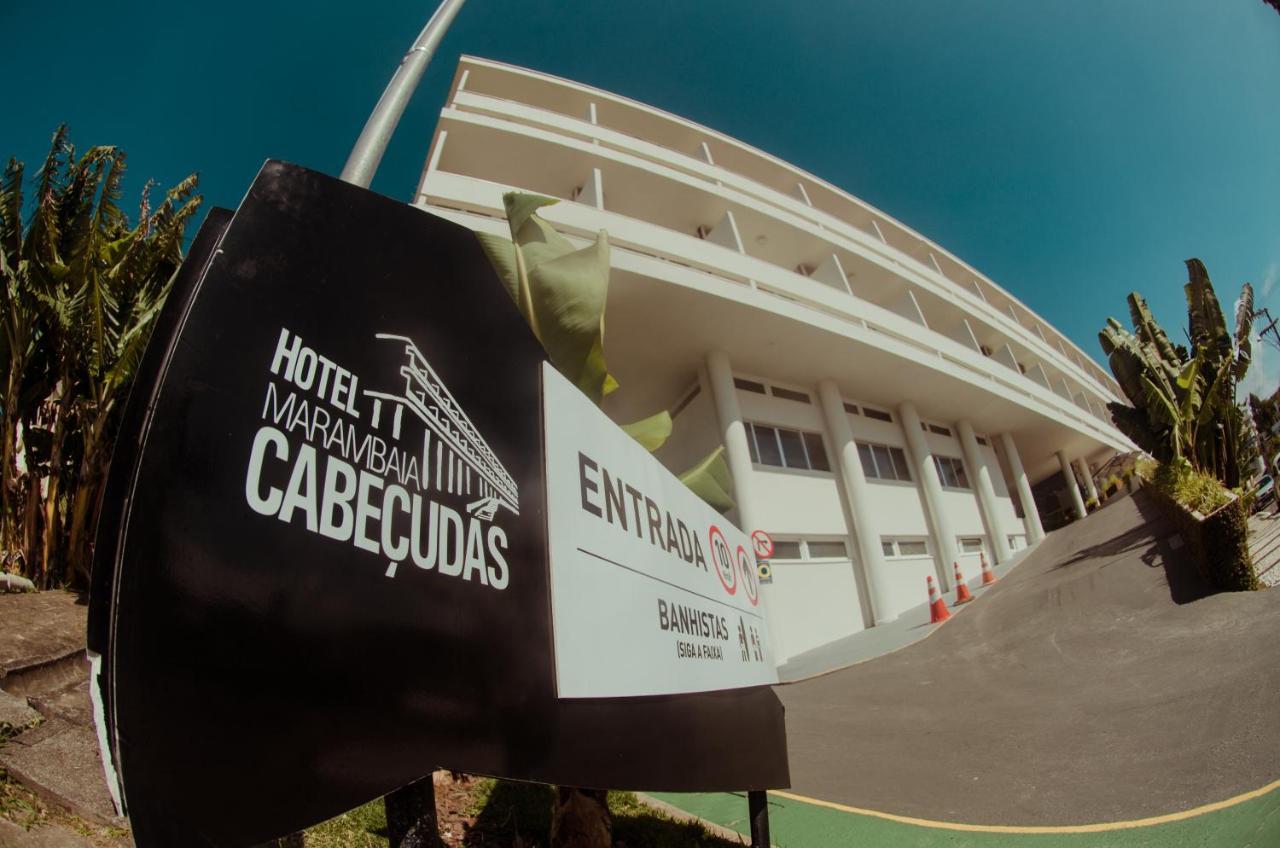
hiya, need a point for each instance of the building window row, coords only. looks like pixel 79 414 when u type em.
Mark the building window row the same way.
pixel 904 547
pixel 951 472
pixel 785 448
pixel 971 545
pixel 883 462
pixel 809 549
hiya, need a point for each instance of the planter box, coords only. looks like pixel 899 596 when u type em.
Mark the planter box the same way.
pixel 1219 541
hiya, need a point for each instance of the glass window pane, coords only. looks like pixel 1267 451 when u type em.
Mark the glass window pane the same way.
pixel 888 548
pixel 962 479
pixel 818 550
pixel 817 453
pixel 971 545
pixel 767 444
pixel 751 442
pixel 911 548
pixel 788 394
pixel 883 462
pixel 749 385
pixel 868 463
pixel 786 550
pixel 792 448
pixel 900 464
pixel 944 469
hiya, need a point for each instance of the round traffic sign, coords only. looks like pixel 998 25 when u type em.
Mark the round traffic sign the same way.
pixel 722 560
pixel 762 542
pixel 750 582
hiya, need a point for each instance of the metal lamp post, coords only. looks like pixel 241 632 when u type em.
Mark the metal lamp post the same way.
pixel 372 143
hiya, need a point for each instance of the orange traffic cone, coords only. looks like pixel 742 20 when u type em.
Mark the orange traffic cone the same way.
pixel 937 607
pixel 962 591
pixel 988 576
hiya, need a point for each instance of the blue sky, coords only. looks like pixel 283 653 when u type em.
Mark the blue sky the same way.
pixel 1073 151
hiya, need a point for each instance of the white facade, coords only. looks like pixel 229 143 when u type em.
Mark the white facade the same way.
pixel 884 406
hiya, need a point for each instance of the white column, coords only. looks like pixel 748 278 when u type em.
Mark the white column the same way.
pixel 1069 477
pixel 1091 490
pixel 985 490
pixel 944 541
pixel 1030 515
pixel 869 564
pixel 734 433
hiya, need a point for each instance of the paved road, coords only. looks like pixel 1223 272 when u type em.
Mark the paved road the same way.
pixel 1095 683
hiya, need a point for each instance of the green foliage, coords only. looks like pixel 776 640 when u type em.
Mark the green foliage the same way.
pixel 1214 522
pixel 1193 489
pixel 82 289
pixel 1182 402
pixel 562 292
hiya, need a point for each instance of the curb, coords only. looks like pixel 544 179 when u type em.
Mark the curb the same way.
pixel 677 814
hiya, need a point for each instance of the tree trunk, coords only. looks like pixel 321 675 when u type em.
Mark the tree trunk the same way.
pixel 31 522
pixel 581 819
pixel 411 815
pixel 84 508
pixel 52 526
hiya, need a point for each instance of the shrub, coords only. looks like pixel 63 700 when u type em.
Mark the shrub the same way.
pixel 1214 522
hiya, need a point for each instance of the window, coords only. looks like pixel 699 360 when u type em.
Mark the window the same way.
pixel 903 547
pixel 851 409
pixel 935 428
pixel 827 550
pixel 788 394
pixel 877 414
pixel 971 544
pixel 749 385
pixel 982 440
pixel 806 549
pixel 785 448
pixel 786 550
pixel 951 472
pixel 816 452
pixel 882 462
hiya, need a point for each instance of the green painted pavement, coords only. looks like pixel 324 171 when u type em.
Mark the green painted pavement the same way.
pixel 794 824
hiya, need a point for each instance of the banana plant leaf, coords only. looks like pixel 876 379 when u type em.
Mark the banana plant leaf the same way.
pixel 710 480
pixel 650 432
pixel 560 290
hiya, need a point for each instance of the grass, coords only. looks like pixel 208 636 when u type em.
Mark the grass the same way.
pixel 22 807
pixel 506 814
pixel 1193 489
pixel 363 827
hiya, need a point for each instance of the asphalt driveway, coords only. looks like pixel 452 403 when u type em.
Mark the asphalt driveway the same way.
pixel 1095 683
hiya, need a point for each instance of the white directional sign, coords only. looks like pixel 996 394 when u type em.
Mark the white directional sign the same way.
pixel 652 591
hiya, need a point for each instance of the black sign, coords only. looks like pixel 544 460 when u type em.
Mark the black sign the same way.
pixel 321 568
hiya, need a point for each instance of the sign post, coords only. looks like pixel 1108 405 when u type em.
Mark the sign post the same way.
pixel 332 460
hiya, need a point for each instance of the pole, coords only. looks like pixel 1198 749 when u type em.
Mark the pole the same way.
pixel 372 143
pixel 758 808
pixel 411 815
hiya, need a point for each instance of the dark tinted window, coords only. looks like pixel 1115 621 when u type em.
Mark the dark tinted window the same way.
pixel 767 444
pixel 817 453
pixel 792 448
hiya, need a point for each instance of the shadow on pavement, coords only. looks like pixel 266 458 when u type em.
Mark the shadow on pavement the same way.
pixel 1161 547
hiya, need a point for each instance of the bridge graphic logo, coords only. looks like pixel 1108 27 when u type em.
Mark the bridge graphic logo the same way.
pixel 455 457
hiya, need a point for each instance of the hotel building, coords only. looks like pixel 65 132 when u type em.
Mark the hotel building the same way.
pixel 885 408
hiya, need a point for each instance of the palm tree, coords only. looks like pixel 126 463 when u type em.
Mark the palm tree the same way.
pixel 83 289
pixel 1183 402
